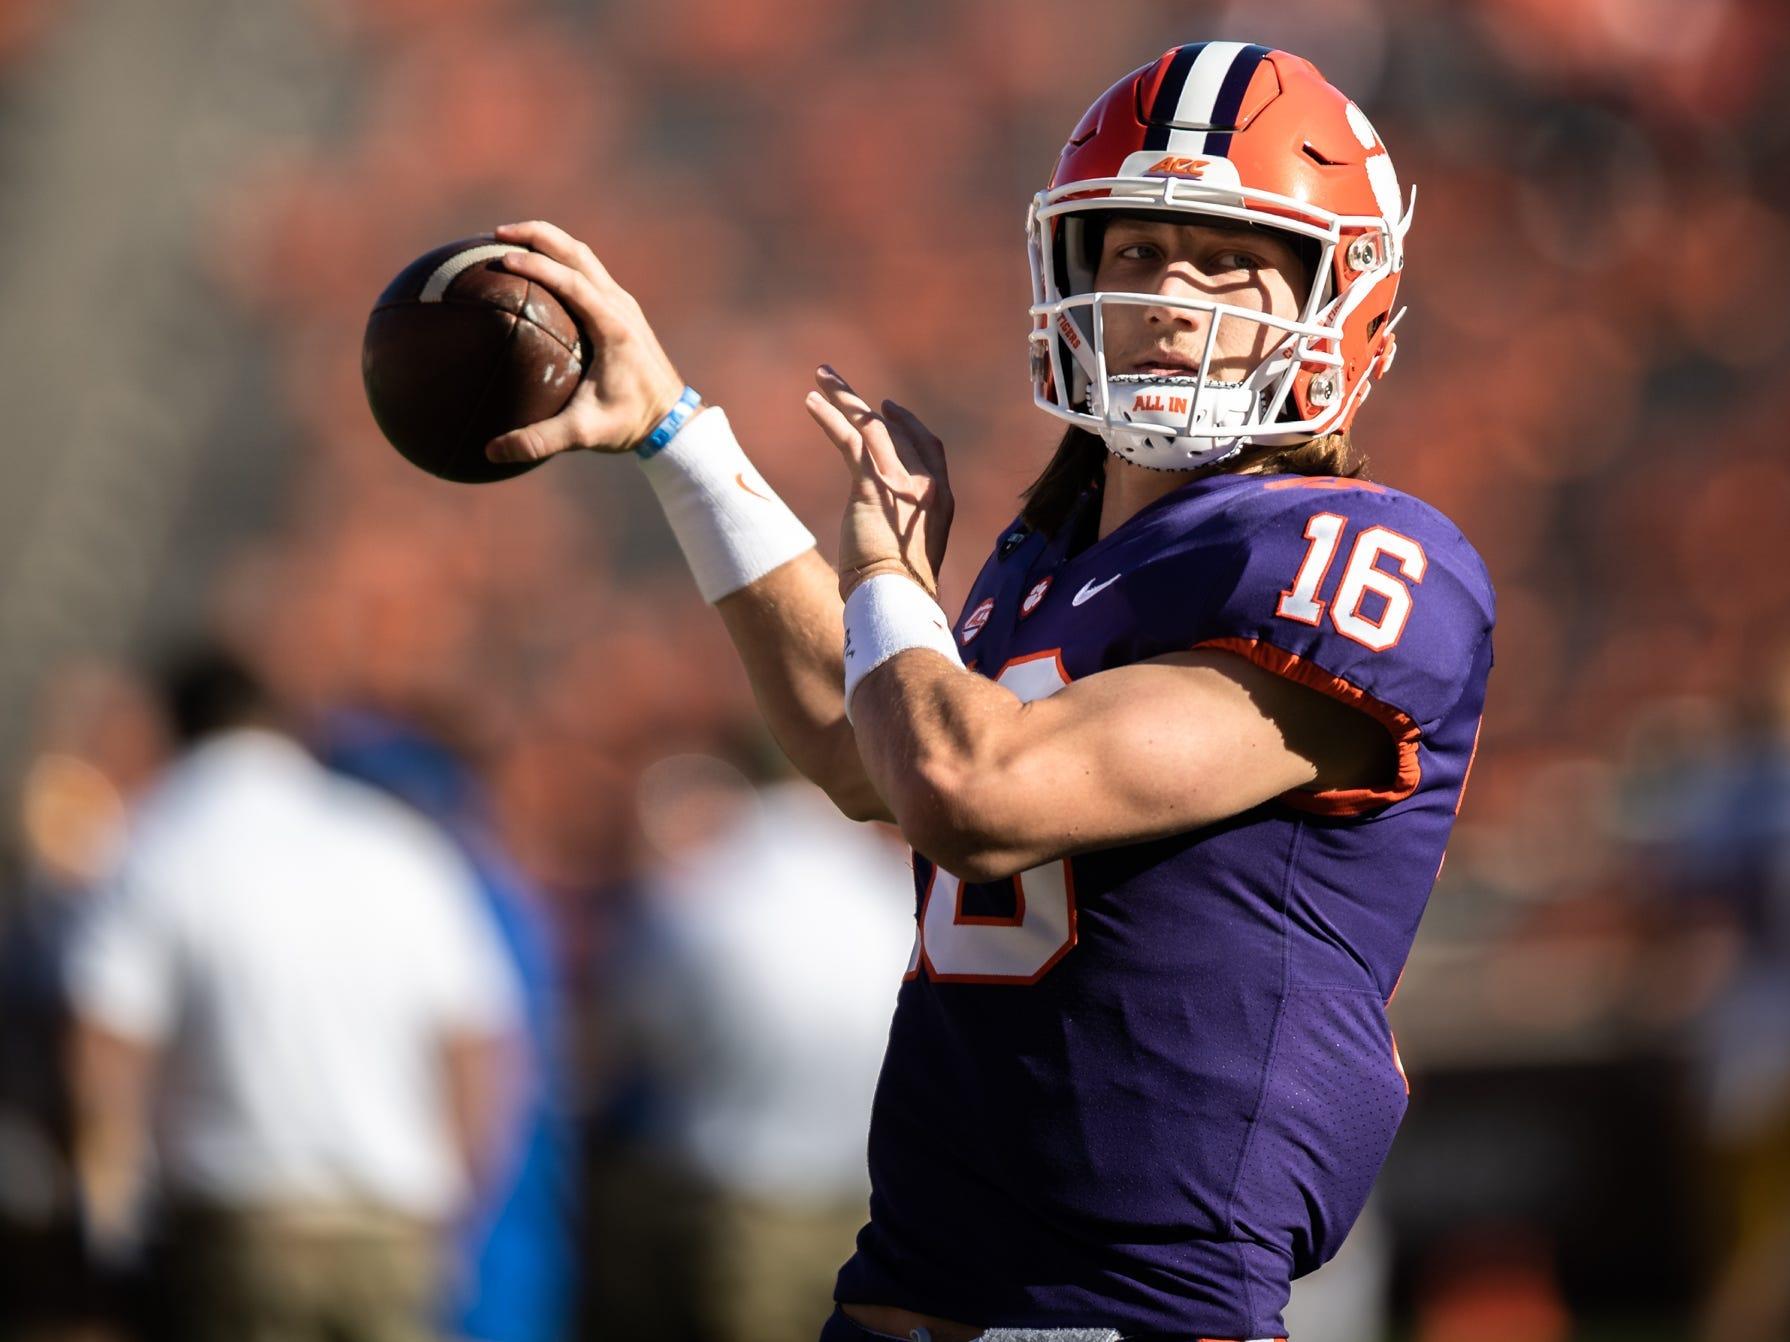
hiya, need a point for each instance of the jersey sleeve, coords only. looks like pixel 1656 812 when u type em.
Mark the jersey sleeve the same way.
pixel 122 965
pixel 471 983
pixel 1361 593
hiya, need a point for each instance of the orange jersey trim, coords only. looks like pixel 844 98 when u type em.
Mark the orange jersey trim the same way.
pixel 1326 482
pixel 1399 725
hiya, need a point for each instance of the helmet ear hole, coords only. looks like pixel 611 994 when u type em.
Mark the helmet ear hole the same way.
pixel 1078 251
pixel 1093 239
pixel 1310 252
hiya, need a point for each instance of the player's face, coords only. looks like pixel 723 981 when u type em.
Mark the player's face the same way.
pixel 1245 267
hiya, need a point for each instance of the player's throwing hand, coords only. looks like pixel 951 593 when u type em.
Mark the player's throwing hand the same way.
pixel 898 516
pixel 630 383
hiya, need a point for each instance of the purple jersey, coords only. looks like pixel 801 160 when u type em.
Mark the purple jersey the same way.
pixel 1146 1087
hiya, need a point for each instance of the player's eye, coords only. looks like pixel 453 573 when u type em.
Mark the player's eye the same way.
pixel 1136 251
pixel 1227 261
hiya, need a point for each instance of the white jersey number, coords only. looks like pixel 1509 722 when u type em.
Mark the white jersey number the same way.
pixel 1362 576
pixel 969 948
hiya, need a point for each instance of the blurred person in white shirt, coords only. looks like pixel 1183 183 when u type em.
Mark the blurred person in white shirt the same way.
pixel 289 1005
pixel 752 1001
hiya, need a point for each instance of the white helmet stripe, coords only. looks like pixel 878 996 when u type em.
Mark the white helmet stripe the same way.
pixel 1229 104
pixel 1168 96
pixel 1199 95
pixel 1211 92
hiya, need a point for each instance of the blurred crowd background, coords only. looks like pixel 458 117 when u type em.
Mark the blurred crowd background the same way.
pixel 198 201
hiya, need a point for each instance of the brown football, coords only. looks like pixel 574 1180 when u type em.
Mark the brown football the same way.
pixel 459 350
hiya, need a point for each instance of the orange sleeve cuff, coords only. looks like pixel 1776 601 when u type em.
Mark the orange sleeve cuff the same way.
pixel 1403 730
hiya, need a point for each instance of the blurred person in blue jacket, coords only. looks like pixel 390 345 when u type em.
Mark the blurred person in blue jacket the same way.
pixel 515 1249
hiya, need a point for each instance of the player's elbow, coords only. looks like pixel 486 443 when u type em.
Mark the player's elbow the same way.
pixel 961 819
pixel 832 764
pixel 982 864
pixel 856 799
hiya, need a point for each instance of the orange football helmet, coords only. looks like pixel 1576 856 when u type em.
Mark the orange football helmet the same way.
pixel 1235 133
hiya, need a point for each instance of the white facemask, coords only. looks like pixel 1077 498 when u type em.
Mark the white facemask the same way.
pixel 1185 422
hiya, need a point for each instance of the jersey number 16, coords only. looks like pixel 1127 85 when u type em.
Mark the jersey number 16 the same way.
pixel 1362 576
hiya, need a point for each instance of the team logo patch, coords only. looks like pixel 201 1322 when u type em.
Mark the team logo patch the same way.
pixel 1035 596
pixel 973 623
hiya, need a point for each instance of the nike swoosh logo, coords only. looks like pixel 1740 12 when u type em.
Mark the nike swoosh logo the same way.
pixel 1093 589
pixel 740 480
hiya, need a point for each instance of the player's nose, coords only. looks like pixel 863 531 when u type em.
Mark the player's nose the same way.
pixel 1184 281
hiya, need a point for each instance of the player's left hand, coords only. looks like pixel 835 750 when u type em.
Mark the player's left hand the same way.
pixel 898 514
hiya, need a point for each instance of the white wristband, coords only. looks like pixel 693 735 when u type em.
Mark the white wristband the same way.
pixel 731 527
pixel 885 615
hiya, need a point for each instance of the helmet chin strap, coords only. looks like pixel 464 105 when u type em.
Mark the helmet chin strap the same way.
pixel 1174 423
pixel 1179 423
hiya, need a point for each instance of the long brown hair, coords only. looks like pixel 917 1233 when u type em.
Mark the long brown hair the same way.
pixel 1080 460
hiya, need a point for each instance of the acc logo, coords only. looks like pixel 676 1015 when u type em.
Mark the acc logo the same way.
pixel 1212 172
pixel 973 623
pixel 1174 165
pixel 1035 596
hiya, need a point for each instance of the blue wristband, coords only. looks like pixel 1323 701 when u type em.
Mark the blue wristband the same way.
pixel 675 419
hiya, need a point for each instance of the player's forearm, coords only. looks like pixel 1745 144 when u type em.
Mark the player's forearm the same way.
pixel 947 748
pixel 484 1078
pixel 109 1080
pixel 938 742
pixel 987 786
pixel 786 627
pixel 108 1161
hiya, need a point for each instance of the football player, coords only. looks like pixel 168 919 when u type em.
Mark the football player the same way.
pixel 1177 779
